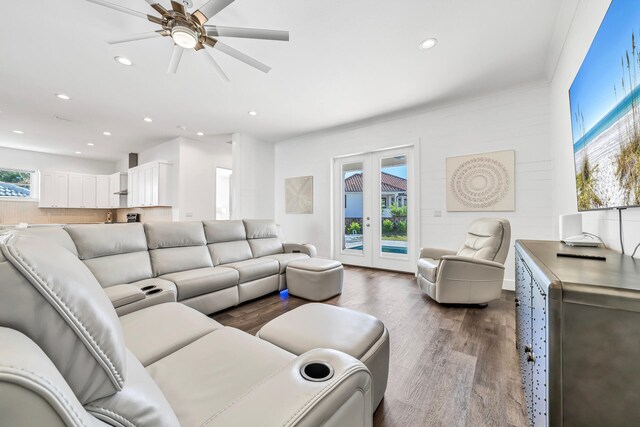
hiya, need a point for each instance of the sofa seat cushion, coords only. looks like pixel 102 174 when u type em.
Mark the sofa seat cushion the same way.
pixel 428 268
pixel 206 376
pixel 285 259
pixel 155 332
pixel 192 283
pixel 254 269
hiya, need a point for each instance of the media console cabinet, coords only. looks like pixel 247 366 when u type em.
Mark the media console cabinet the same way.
pixel 578 335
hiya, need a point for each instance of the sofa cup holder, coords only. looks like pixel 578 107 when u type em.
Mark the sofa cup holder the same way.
pixel 316 371
pixel 148 288
pixel 153 291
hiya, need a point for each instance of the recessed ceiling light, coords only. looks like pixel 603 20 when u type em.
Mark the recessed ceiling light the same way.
pixel 148 119
pixel 63 96
pixel 122 60
pixel 428 43
pixel 78 152
pixel 90 144
pixel 19 132
pixel 253 113
pixel 200 134
pixel 106 133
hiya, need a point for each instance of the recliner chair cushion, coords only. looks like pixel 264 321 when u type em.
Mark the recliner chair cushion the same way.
pixel 115 253
pixel 98 240
pixel 428 268
pixel 156 332
pixel 260 228
pixel 49 295
pixel 216 370
pixel 227 252
pixel 53 235
pixel 254 269
pixel 192 283
pixel 174 234
pixel 483 240
pixel 264 247
pixel 171 260
pixel 224 231
pixel 123 268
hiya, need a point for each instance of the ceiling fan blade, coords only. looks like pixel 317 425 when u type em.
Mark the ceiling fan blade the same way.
pixel 247 33
pixel 158 7
pixel 175 59
pixel 178 7
pixel 210 9
pixel 241 56
pixel 136 37
pixel 215 66
pixel 120 8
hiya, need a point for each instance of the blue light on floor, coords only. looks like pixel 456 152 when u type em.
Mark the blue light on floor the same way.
pixel 284 294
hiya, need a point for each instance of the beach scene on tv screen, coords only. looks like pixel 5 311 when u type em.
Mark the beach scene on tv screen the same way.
pixel 605 113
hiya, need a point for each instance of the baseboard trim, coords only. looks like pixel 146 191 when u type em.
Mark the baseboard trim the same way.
pixel 509 285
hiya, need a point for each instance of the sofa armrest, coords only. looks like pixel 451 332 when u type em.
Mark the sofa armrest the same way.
pixel 124 294
pixel 300 247
pixel 434 253
pixel 287 399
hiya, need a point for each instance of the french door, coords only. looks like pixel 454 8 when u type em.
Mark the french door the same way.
pixel 375 210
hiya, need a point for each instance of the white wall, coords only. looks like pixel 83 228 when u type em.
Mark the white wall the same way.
pixel 197 182
pixel 22 159
pixel 517 119
pixel 586 21
pixel 253 178
pixel 193 173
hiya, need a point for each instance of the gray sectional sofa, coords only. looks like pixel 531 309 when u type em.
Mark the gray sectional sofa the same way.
pixel 68 359
pixel 209 265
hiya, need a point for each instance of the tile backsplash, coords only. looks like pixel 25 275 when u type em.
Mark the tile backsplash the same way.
pixel 15 212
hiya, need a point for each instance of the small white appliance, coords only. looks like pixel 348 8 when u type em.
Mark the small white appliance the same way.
pixel 571 233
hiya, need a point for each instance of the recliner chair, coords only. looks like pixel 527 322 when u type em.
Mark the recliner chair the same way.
pixel 472 275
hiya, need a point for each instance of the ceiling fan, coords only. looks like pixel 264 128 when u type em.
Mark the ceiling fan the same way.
pixel 188 31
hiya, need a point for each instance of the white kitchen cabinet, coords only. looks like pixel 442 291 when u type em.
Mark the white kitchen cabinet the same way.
pixel 54 190
pixel 82 191
pixel 103 193
pixel 150 185
pixel 117 184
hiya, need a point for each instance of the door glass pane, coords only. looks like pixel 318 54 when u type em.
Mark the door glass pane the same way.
pixel 352 224
pixel 223 193
pixel 393 205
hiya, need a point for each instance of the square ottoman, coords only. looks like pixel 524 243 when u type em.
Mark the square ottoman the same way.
pixel 327 326
pixel 315 279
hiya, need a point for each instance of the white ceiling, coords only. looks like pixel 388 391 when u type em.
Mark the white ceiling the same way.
pixel 347 60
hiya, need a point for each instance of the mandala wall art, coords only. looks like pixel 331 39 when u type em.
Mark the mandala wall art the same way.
pixel 299 195
pixel 481 182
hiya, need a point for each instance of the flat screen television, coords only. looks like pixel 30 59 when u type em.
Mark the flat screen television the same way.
pixel 605 113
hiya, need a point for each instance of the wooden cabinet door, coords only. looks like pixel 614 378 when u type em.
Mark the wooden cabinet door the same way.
pixel 61 189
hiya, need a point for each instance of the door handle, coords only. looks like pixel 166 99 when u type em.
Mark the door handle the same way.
pixel 368 225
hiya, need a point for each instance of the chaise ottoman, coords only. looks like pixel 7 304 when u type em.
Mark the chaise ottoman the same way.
pixel 317 325
pixel 315 279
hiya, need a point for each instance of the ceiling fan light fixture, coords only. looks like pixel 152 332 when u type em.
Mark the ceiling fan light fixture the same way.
pixel 184 37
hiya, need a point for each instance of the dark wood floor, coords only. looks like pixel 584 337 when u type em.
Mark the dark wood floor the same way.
pixel 450 366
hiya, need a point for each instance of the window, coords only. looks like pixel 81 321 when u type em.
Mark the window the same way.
pixel 384 202
pixel 15 184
